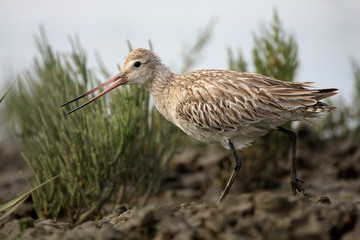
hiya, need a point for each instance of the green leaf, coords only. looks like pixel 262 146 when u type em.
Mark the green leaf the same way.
pixel 12 84
pixel 19 200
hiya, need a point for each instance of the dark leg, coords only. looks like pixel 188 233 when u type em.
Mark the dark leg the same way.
pixel 233 174
pixel 296 184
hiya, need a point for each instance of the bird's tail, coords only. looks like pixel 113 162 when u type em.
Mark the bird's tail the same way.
pixel 321 106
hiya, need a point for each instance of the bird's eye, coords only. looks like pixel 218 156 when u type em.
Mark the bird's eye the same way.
pixel 137 64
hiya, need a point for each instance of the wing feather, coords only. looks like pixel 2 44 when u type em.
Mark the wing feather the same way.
pixel 225 100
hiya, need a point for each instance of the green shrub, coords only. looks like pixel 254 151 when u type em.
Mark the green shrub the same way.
pixel 275 52
pixel 115 150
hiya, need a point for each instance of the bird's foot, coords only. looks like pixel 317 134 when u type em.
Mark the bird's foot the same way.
pixel 296 186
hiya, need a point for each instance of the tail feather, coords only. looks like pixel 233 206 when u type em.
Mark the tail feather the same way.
pixel 319 107
pixel 325 93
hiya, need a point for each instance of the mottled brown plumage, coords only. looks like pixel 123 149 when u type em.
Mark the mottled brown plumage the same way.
pixel 232 108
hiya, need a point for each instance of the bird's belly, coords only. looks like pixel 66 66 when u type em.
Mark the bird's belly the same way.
pixel 241 137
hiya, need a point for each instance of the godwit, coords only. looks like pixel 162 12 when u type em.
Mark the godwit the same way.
pixel 229 107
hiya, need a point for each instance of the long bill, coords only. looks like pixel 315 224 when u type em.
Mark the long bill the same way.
pixel 119 80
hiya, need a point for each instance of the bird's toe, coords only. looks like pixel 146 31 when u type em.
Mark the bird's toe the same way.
pixel 296 186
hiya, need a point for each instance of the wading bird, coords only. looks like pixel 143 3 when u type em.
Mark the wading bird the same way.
pixel 231 108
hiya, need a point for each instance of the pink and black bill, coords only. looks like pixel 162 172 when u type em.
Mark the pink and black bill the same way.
pixel 119 80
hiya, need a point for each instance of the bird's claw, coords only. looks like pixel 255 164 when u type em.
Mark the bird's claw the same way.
pixel 296 185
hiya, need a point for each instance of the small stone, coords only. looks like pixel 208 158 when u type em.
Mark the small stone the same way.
pixel 321 199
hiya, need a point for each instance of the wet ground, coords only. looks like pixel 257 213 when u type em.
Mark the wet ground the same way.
pixel 184 207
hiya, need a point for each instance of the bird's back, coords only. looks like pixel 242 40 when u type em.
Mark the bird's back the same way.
pixel 215 105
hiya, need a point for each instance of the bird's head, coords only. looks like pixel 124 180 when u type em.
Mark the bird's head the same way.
pixel 139 68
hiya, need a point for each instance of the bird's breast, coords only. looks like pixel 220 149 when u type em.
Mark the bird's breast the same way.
pixel 163 105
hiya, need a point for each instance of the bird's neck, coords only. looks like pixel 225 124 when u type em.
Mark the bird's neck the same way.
pixel 160 80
